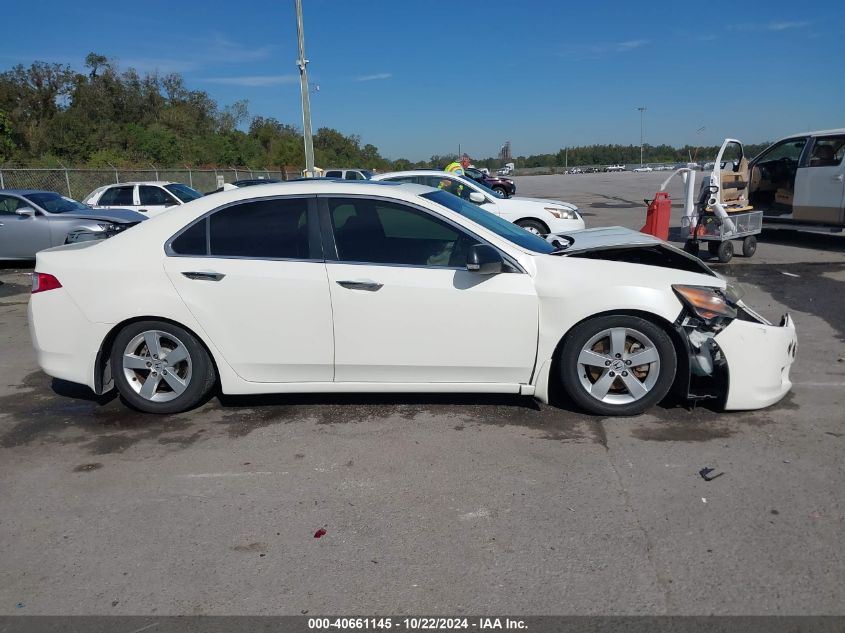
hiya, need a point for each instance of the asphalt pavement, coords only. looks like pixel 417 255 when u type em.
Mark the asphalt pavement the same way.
pixel 437 504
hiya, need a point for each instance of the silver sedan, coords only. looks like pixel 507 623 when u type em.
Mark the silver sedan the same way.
pixel 32 220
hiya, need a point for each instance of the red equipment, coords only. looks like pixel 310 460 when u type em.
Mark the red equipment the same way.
pixel 657 218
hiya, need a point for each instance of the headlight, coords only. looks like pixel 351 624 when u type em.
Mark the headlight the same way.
pixel 106 226
pixel 562 214
pixel 708 303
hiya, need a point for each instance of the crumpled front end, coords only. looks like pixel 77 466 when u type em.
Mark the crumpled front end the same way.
pixel 758 356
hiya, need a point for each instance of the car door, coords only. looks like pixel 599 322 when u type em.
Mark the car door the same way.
pixel 406 310
pixel 820 182
pixel 252 273
pixel 21 236
pixel 153 199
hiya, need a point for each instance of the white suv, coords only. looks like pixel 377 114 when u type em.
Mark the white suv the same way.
pixel 150 198
pixel 533 214
pixel 348 174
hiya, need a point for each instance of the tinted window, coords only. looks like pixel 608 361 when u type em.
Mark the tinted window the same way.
pixel 192 241
pixel 354 175
pixel 787 150
pixel 274 229
pixel 452 185
pixel 413 179
pixel 389 233
pixel 333 174
pixel 154 195
pixel 117 196
pixel 55 203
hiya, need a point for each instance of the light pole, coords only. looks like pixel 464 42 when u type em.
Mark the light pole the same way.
pixel 641 109
pixel 303 86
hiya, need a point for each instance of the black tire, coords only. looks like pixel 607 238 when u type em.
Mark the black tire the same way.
pixel 501 190
pixel 200 375
pixel 749 246
pixel 725 252
pixel 570 369
pixel 692 247
pixel 533 226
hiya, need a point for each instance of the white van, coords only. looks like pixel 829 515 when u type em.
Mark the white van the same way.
pixel 800 180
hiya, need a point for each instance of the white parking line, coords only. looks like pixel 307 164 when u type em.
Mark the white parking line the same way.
pixel 215 475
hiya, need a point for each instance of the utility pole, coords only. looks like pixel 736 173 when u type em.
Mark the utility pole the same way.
pixel 566 157
pixel 641 109
pixel 303 86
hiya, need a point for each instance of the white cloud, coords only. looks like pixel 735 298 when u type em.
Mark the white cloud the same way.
pixel 782 26
pixel 253 81
pixel 374 77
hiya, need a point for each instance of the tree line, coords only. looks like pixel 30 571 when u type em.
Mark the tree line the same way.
pixel 51 114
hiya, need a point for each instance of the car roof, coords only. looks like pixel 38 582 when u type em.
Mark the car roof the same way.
pixel 316 186
pixel 419 172
pixel 143 182
pixel 840 130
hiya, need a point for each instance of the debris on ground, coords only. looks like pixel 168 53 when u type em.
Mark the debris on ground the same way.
pixel 706 476
pixel 320 533
pixel 783 272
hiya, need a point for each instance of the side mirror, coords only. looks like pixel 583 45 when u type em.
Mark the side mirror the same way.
pixel 484 260
pixel 477 198
pixel 26 211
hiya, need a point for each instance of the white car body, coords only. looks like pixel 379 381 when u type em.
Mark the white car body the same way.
pixel 329 325
pixel 640 170
pixel 555 215
pixel 148 197
pixel 615 168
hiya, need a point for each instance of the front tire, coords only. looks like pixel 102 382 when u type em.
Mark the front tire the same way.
pixel 502 191
pixel 159 367
pixel 534 226
pixel 617 365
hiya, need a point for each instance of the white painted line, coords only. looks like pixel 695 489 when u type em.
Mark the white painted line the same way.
pixel 217 475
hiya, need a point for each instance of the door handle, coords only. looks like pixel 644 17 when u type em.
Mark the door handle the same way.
pixel 370 286
pixel 838 178
pixel 203 276
pixel 142 210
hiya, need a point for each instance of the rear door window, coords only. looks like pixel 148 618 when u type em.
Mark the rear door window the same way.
pixel 827 151
pixel 154 196
pixel 117 196
pixel 334 174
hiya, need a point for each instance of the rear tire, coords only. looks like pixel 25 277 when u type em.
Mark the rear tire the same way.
pixel 501 190
pixel 159 367
pixel 599 365
pixel 534 226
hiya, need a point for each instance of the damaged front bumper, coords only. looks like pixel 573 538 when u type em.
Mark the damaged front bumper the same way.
pixel 743 361
pixel 758 357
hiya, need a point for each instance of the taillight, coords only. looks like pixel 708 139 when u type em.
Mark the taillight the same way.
pixel 43 281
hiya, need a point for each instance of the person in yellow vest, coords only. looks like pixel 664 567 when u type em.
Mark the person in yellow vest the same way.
pixel 457 168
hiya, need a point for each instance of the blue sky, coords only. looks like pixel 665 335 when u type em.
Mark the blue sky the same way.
pixel 419 78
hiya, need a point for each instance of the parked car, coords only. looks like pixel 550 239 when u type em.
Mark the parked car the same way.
pixel 576 170
pixel 800 180
pixel 348 174
pixel 325 286
pixel 32 220
pixel 533 214
pixel 615 168
pixel 643 168
pixel 150 197
pixel 505 186
pixel 247 182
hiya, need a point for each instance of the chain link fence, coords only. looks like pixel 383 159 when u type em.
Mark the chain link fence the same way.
pixel 78 183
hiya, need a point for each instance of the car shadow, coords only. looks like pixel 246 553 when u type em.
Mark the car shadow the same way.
pixel 833 242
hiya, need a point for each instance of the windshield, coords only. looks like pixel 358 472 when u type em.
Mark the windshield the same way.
pixel 500 227
pixel 55 203
pixel 367 173
pixel 183 192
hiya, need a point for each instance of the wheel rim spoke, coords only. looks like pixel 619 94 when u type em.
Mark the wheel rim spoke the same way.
pixel 130 361
pixel 153 343
pixel 602 385
pixel 150 386
pixel 643 357
pixel 177 384
pixel 636 388
pixel 176 355
pixel 591 358
pixel 617 342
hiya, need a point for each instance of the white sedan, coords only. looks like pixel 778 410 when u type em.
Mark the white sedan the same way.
pixel 535 215
pixel 643 169
pixel 148 197
pixel 325 286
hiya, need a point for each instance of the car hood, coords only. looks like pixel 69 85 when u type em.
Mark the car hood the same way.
pixel 616 243
pixel 542 202
pixel 122 216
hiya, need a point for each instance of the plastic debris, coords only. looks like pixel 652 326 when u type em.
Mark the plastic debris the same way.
pixel 703 499
pixel 706 476
pixel 783 272
pixel 320 533
pixel 20 605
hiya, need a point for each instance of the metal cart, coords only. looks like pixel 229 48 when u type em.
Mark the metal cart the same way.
pixel 719 232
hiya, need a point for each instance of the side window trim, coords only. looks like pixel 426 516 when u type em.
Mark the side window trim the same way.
pixel 315 243
pixel 330 246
